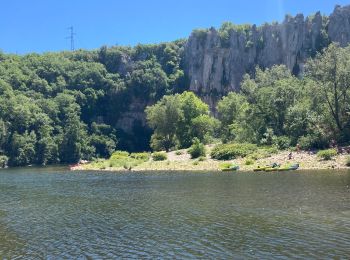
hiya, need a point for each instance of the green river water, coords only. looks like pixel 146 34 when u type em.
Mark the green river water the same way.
pixel 51 213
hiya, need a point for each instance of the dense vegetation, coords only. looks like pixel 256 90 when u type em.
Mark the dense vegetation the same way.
pixel 178 119
pixel 272 108
pixel 62 107
pixel 275 107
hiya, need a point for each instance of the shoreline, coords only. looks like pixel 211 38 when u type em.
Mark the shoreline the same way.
pixel 183 162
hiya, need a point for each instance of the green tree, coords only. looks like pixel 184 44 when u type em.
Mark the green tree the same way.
pixel 191 107
pixel 330 72
pixel 22 148
pixel 164 117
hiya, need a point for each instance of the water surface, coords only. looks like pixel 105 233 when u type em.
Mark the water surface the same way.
pixel 52 213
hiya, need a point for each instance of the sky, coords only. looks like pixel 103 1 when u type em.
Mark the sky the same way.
pixel 42 25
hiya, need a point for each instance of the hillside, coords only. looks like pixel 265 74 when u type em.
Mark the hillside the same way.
pixel 51 103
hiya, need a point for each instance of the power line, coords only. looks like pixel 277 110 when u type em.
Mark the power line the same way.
pixel 71 37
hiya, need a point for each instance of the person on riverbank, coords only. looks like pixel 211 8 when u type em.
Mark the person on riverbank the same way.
pixel 290 156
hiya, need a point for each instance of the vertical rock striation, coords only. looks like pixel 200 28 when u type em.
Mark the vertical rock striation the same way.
pixel 216 60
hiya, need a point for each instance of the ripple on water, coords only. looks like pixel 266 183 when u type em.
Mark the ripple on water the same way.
pixel 89 215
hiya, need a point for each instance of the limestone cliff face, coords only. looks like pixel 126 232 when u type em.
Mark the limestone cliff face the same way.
pixel 215 65
pixel 339 25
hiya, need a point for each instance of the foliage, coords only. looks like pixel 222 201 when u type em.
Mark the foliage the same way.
pixel 232 151
pixel 119 154
pixel 249 161
pixel 159 156
pixel 310 141
pixel 202 158
pixel 177 119
pixel 163 117
pixel 330 74
pixel 275 107
pixel 282 142
pixel 225 165
pixel 3 161
pixel 63 107
pixel 227 28
pixel 121 159
pixel 327 154
pixel 141 156
pixel 197 149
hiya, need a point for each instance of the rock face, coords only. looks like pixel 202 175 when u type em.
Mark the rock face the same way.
pixel 216 60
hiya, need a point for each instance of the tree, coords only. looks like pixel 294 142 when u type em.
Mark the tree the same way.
pixel 191 107
pixel 330 71
pixel 23 148
pixel 177 119
pixel 164 117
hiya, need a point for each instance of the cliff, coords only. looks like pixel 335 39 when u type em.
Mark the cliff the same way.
pixel 216 60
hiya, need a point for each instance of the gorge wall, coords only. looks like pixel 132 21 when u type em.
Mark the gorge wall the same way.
pixel 216 60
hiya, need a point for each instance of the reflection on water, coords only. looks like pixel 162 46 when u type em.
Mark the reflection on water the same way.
pixel 50 213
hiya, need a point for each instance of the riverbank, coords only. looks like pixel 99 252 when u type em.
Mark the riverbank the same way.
pixel 181 161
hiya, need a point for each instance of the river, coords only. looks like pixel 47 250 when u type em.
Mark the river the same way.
pixel 52 213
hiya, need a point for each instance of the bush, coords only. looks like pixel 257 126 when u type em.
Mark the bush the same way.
pixel 347 162
pixel 312 141
pixel 140 156
pixel 327 154
pixel 3 161
pixel 225 165
pixel 232 151
pixel 119 154
pixel 197 149
pixel 159 156
pixel 249 162
pixel 281 142
pixel 179 152
pixel 202 158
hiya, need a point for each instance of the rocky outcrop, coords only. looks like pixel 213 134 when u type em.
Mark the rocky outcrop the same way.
pixel 339 25
pixel 216 60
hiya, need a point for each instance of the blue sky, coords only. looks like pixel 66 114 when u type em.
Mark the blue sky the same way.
pixel 41 25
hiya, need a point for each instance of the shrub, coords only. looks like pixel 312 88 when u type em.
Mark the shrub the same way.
pixel 232 151
pixel 179 152
pixel 159 156
pixel 327 154
pixel 225 165
pixel 249 162
pixel 347 162
pixel 140 156
pixel 202 158
pixel 197 149
pixel 312 141
pixel 3 161
pixel 281 142
pixel 119 154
